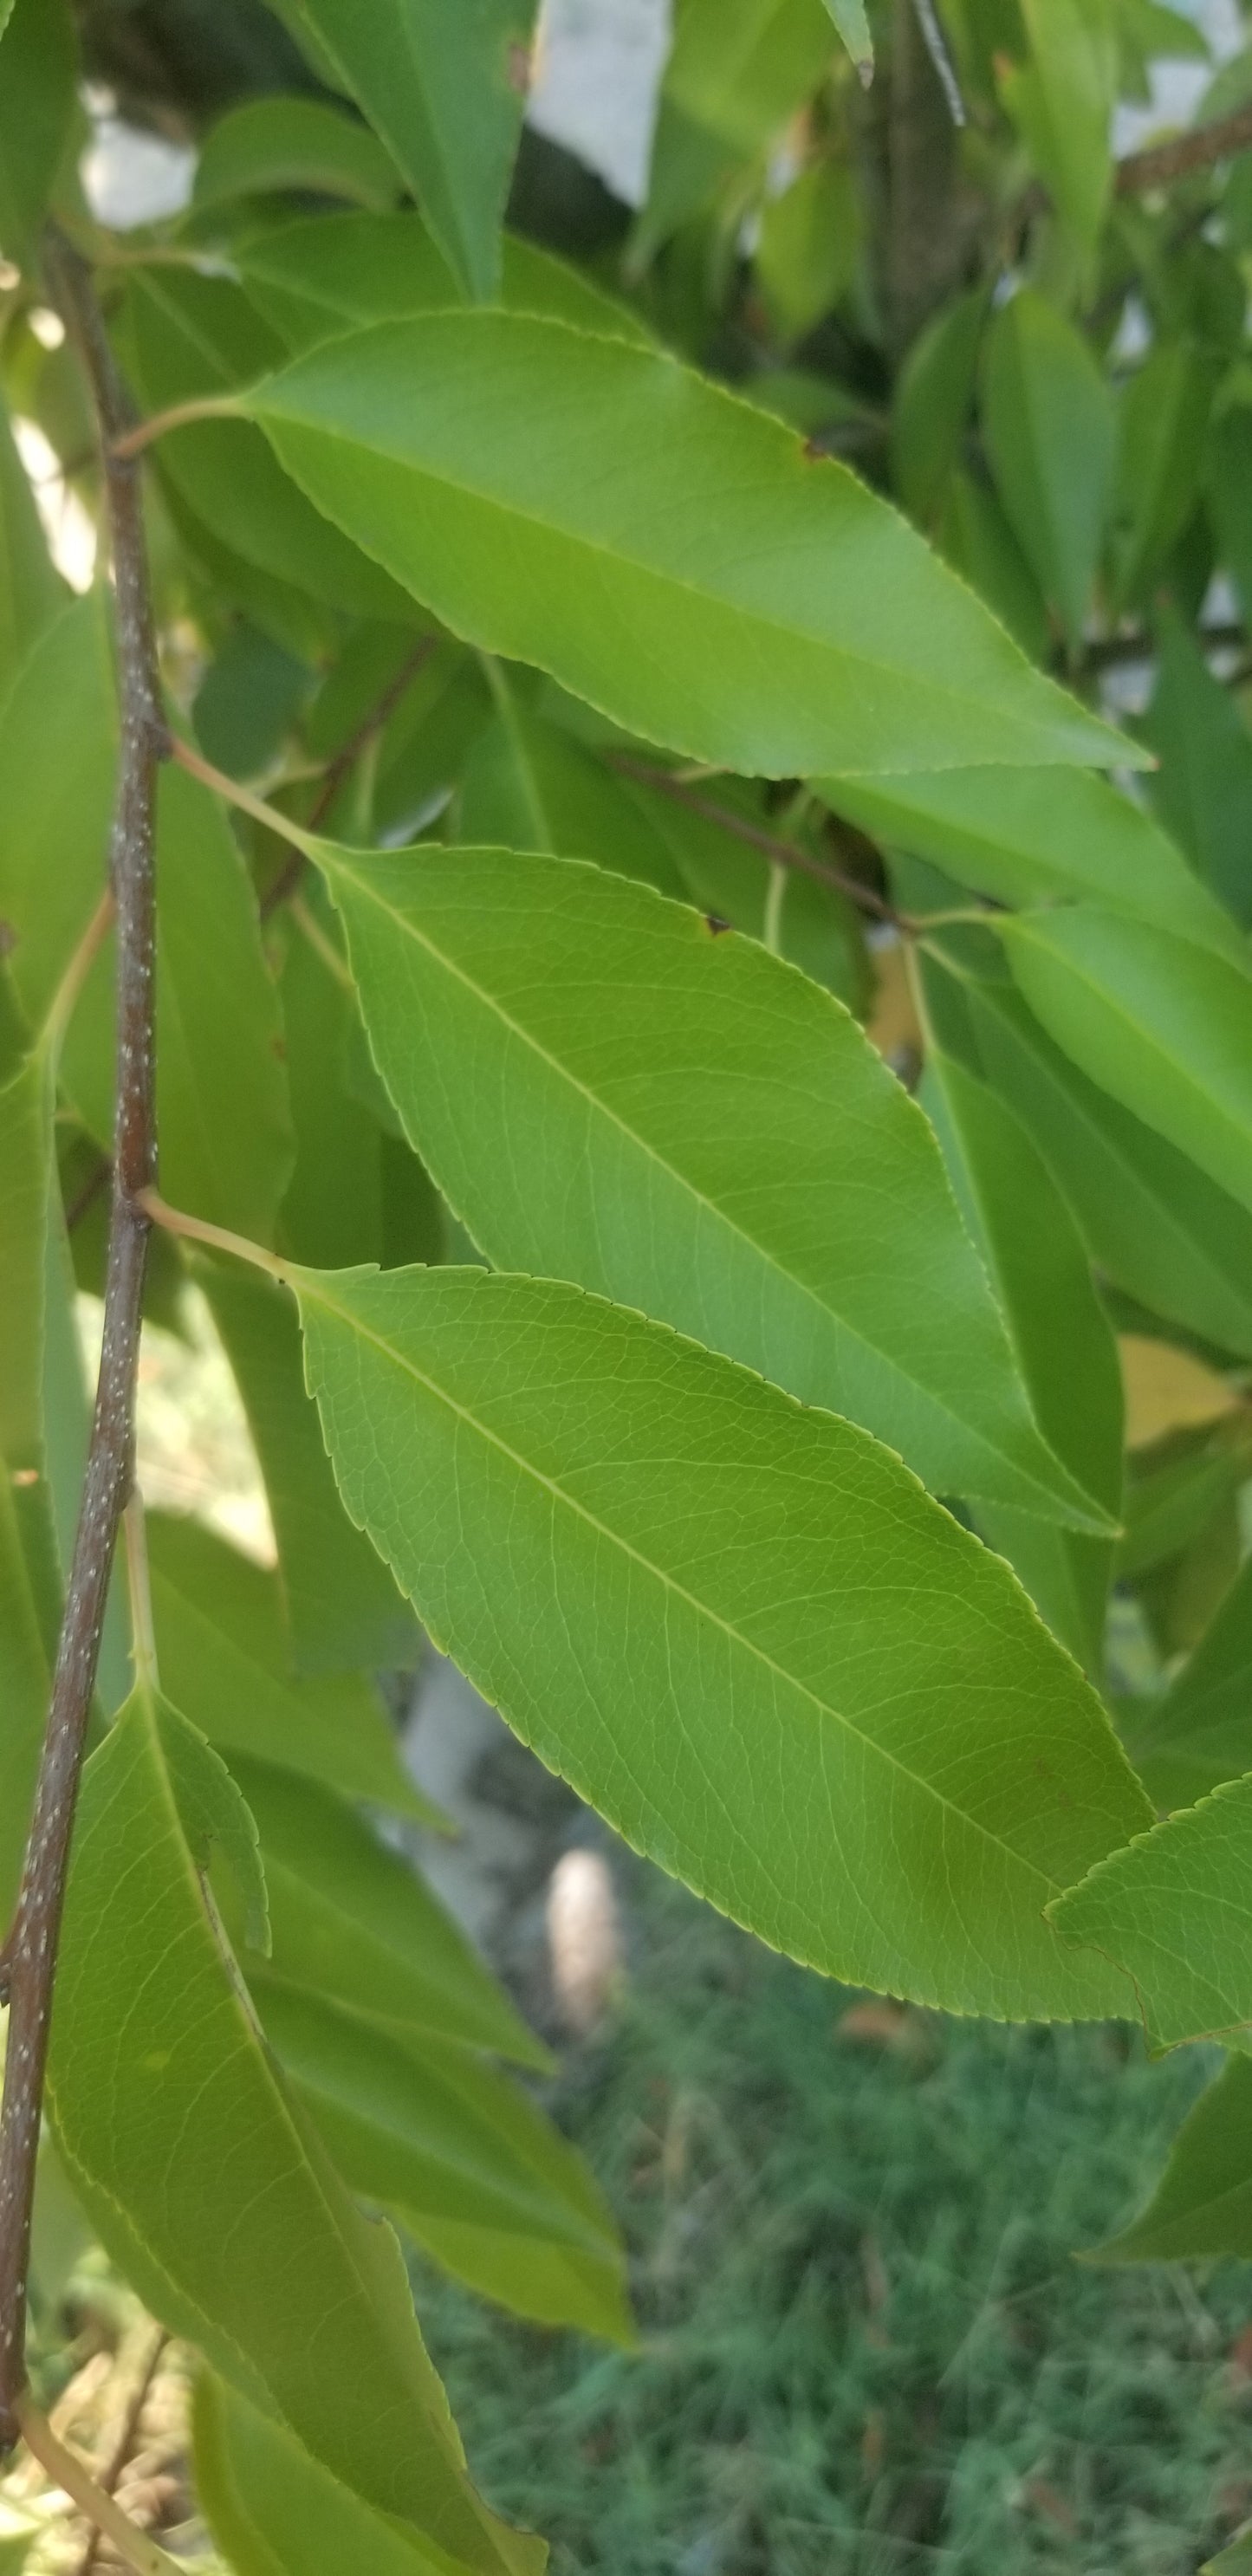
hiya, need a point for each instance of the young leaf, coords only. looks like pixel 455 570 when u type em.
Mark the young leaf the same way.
pixel 186 335
pixel 606 1091
pixel 444 83
pixel 564 500
pixel 31 591
pixel 203 2178
pixel 329 274
pixel 1203 788
pixel 343 1611
pixel 1166 1028
pixel 1027 837
pixel 225 1661
pixel 293 144
pixel 1049 426
pixel 1200 1733
pixel 1172 1910
pixel 354 1923
pixel 1064 1346
pixel 1163 1231
pixel 459 2158
pixel 739 1628
pixel 1202 2205
pixel 58 745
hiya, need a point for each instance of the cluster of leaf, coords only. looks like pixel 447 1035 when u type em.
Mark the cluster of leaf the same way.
pixel 729 1415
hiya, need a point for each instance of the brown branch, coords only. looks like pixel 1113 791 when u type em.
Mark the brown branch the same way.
pixel 342 766
pixel 1196 150
pixel 28 1960
pixel 785 854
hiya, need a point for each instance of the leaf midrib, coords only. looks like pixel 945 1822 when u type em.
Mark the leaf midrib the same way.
pixel 314 1286
pixel 843 656
pixel 718 1215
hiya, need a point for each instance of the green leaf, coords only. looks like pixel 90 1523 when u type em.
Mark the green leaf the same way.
pixel 1203 788
pixel 38 99
pixel 608 1091
pixel 293 144
pixel 1063 104
pixel 1202 2205
pixel 31 591
pixel 188 335
pixel 1028 837
pixel 1165 1027
pixel 225 1661
pixel 1159 1227
pixel 737 73
pixel 1234 2561
pixel 460 2159
pixel 528 785
pixel 24 1684
pixel 1200 1733
pixel 215 1821
pixel 738 1627
pixel 1228 491
pixel 343 1612
pixel 1172 1909
pixel 933 399
pixel 974 536
pixel 355 1923
pixel 1064 1346
pixel 279 2512
pixel 1049 427
pixel 445 87
pixel 564 500
pixel 810 246
pixel 328 274
pixel 1163 427
pixel 332 1214
pixel 26 1107
pixel 222 1105
pixel 853 25
pixel 58 748
pixel 208 2186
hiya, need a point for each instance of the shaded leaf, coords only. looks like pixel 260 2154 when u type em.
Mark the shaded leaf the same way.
pixel 205 2182
pixel 563 500
pixel 24 1684
pixel 1203 788
pixel 1173 1910
pixel 226 1663
pixel 933 399
pixel 222 1106
pixel 1063 103
pixel 1202 2205
pixel 444 83
pixel 328 274
pixel 1165 1027
pixel 286 144
pixel 460 2159
pixel 1200 1733
pixel 739 1628
pixel 1163 427
pixel 1048 420
pixel 38 99
pixel 355 1923
pixel 1065 1349
pixel 737 71
pixel 31 590
pixel 606 1092
pixel 58 747
pixel 343 1611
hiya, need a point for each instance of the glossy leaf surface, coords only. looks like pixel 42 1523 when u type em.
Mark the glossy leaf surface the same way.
pixel 609 1092
pixel 563 500
pixel 739 1628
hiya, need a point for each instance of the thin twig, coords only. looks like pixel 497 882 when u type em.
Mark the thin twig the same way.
pixel 28 1960
pixel 787 854
pixel 130 442
pixel 127 2435
pixel 1198 149
pixel 945 70
pixel 344 762
pixel 76 2481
